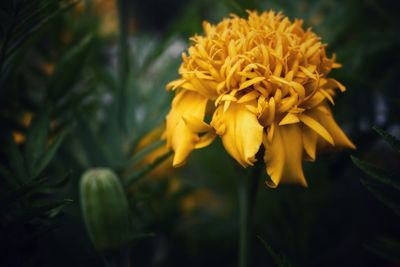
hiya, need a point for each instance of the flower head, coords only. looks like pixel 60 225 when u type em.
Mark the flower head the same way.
pixel 264 81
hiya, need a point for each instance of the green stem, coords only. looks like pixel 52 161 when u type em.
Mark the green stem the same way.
pixel 247 187
pixel 123 62
pixel 243 221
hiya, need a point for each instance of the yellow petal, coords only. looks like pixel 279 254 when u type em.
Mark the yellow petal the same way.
pixel 182 142
pixel 195 124
pixel 317 127
pixel 299 89
pixel 327 95
pixel 287 103
pixel 251 82
pixel 175 84
pixel 202 88
pixel 310 139
pixel 179 136
pixel 243 135
pixel 329 123
pixel 278 80
pixel 308 73
pixel 283 156
pixel 289 119
pixel 271 111
pixel 205 139
pixel 249 96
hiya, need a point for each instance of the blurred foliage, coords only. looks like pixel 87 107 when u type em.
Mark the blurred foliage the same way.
pixel 385 186
pixel 82 86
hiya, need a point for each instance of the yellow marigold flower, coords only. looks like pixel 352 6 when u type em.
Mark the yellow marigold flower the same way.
pixel 265 82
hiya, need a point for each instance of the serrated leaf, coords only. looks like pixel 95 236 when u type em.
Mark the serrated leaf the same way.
pixel 280 260
pixel 386 248
pixel 383 195
pixel 36 143
pixel 377 173
pixel 68 68
pixel 49 154
pixel 390 139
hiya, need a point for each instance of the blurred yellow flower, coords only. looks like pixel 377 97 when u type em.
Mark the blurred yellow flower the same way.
pixel 265 81
pixel 26 120
pixel 201 199
pixel 106 10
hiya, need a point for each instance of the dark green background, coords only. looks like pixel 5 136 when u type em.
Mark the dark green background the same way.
pixel 105 105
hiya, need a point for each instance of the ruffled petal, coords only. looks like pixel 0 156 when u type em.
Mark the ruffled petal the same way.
pixel 181 138
pixel 324 116
pixel 283 155
pixel 310 140
pixel 243 133
pixel 317 127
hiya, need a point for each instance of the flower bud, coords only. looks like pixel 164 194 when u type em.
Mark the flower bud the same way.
pixel 105 209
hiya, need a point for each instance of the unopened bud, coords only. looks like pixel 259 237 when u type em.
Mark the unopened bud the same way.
pixel 105 209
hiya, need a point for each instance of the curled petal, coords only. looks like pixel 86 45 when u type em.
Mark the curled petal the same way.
pixel 317 127
pixel 310 140
pixel 283 155
pixel 243 134
pixel 328 122
pixel 181 137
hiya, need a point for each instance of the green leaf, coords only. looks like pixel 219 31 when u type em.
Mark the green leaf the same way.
pixel 145 151
pixel 16 161
pixel 30 25
pixel 390 139
pixel 68 69
pixel 36 143
pixel 384 195
pixel 49 209
pixel 377 173
pixel 8 177
pixel 148 168
pixel 21 192
pixel 58 207
pixel 54 186
pixel 92 146
pixel 280 260
pixel 386 248
pixel 49 154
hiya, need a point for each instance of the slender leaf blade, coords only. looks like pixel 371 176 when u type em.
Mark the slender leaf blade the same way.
pixel 49 154
pixel 280 260
pixel 68 69
pixel 37 140
pixel 386 248
pixel 16 161
pixel 390 139
pixel 383 196
pixel 377 173
pixel 148 168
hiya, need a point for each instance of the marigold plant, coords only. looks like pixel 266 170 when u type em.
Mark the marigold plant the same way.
pixel 264 82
